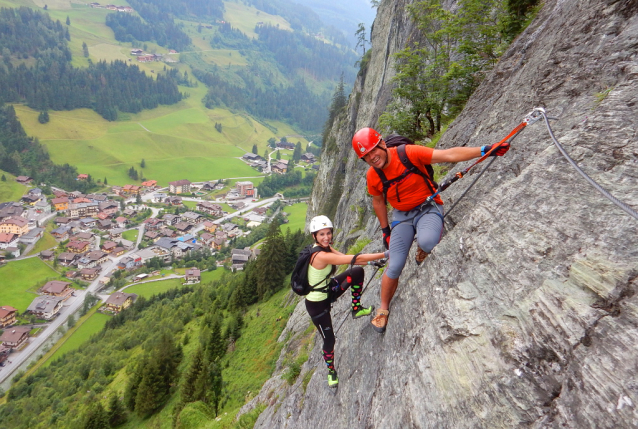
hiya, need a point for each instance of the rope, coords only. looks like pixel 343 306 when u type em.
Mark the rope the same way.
pixel 606 194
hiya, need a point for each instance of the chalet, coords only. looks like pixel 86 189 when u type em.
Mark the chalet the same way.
pixel 86 236
pixel 238 205
pixel 104 224
pixel 97 198
pixel 285 145
pixel 245 189
pixel 135 51
pixel 207 238
pixel 8 240
pixel 179 187
pixel 11 209
pixel 92 259
pixel 153 252
pixel 167 232
pixel 173 201
pixel 24 180
pixel 83 176
pixel 66 259
pixel 46 307
pixel 35 191
pixel 61 233
pixel 84 210
pixel 116 233
pixel 76 194
pixel 183 227
pixel 78 246
pixel 47 255
pixel 210 226
pixel 127 244
pixel 58 288
pixel 240 256
pixel 308 157
pixel 14 251
pixel 71 274
pixel 192 218
pixel 209 208
pixel 159 197
pixel 170 219
pixel 109 207
pixel 14 225
pixel 260 210
pixel 62 220
pixel 117 190
pixel 7 316
pixel 126 263
pixel 108 246
pixel 151 235
pixel 218 243
pixel 279 168
pixel 118 251
pixel 251 157
pixel 153 223
pixel 207 186
pixel 121 221
pixel 149 183
pixel 81 200
pixel 32 236
pixel 89 274
pixel 192 276
pixel 30 199
pixel 16 337
pixel 145 58
pixel 228 227
pixel 42 207
pixel 120 301
pixel 128 212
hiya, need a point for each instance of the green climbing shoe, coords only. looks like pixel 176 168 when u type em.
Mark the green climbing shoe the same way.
pixel 362 311
pixel 333 380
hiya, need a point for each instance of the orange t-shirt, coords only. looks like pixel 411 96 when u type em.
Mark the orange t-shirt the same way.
pixel 412 190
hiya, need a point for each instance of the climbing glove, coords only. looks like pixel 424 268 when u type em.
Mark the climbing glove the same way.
pixel 500 151
pixel 386 236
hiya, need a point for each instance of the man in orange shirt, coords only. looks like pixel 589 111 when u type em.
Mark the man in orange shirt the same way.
pixel 406 191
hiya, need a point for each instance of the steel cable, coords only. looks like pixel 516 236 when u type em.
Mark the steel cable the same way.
pixel 591 181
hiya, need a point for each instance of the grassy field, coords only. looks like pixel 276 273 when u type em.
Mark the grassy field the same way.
pixel 177 141
pixel 130 235
pixel 10 190
pixel 296 217
pixel 153 288
pixel 46 242
pixel 18 277
pixel 92 325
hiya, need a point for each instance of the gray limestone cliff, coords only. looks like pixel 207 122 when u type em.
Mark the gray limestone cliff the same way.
pixel 525 315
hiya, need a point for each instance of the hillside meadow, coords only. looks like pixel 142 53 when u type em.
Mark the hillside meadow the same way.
pixel 21 279
pixel 10 190
pixel 178 141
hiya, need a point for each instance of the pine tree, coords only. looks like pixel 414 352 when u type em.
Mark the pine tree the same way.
pixel 4 178
pixel 215 348
pixel 278 156
pixel 143 163
pixel 96 418
pixel 130 392
pixel 85 49
pixel 150 392
pixel 255 150
pixel 296 154
pixel 187 388
pixel 271 262
pixel 68 20
pixel 116 414
pixel 105 181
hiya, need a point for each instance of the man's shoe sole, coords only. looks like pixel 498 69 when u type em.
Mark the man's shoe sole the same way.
pixel 379 330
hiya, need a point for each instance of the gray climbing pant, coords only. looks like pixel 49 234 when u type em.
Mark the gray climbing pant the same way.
pixel 426 224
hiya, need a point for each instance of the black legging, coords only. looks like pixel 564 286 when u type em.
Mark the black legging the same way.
pixel 319 311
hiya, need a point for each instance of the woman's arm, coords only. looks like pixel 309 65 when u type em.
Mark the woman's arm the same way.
pixel 324 259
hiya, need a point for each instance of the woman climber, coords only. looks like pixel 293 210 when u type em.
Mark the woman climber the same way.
pixel 326 289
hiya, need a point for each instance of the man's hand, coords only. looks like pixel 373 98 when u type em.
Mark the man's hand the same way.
pixel 500 151
pixel 379 263
pixel 386 236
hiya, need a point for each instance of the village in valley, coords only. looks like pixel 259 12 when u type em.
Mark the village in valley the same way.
pixel 102 243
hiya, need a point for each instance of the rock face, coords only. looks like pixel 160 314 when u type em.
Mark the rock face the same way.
pixel 525 315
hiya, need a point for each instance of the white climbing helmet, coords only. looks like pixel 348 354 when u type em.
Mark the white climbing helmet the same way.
pixel 320 222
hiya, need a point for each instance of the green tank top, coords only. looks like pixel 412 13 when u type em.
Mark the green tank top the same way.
pixel 316 276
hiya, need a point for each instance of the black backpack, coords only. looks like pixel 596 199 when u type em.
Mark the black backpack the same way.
pixel 299 278
pixel 395 140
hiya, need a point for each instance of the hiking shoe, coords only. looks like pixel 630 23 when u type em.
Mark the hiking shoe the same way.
pixel 362 311
pixel 333 380
pixel 380 321
pixel 420 256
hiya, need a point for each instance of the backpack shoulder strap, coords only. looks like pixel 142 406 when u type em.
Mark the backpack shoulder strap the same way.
pixel 427 176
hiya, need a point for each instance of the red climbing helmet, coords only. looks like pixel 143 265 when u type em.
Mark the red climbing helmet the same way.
pixel 365 140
